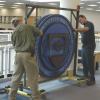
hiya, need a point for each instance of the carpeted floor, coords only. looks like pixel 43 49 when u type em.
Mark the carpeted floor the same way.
pixel 73 92
pixel 66 90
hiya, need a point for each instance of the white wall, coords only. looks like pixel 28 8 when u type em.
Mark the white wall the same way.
pixel 94 17
pixel 11 12
pixel 43 12
pixel 21 12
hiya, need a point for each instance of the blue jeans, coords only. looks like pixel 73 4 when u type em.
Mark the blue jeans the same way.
pixel 88 62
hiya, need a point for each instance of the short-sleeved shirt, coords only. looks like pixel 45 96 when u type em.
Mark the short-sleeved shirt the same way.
pixel 23 38
pixel 88 38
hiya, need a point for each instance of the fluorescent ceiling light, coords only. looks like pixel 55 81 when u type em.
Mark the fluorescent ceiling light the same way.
pixel 32 0
pixel 98 2
pixel 13 7
pixel 44 0
pixel 97 10
pixel 89 8
pixel 92 5
pixel 29 7
pixel 52 3
pixel 81 7
pixel 82 3
pixel 84 0
pixel 47 0
pixel 2 1
pixel 2 4
pixel 18 3
pixel 88 0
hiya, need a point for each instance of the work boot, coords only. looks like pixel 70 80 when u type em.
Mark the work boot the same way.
pixel 12 94
pixel 83 78
pixel 90 82
pixel 11 98
pixel 39 96
pixel 35 98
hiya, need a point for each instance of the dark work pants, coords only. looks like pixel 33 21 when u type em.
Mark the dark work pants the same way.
pixel 88 62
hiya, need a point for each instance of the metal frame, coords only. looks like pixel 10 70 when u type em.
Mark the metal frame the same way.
pixel 76 17
pixel 10 49
pixel 1 49
pixel 28 13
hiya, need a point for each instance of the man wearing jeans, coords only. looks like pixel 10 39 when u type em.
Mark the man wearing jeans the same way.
pixel 88 47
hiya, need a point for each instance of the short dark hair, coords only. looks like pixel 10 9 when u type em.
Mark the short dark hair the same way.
pixel 83 16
